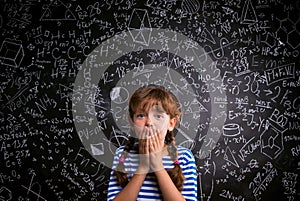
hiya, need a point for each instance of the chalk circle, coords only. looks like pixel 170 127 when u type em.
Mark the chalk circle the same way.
pixel 100 115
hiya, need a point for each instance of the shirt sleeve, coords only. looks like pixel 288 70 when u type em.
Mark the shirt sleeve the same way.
pixel 189 171
pixel 113 186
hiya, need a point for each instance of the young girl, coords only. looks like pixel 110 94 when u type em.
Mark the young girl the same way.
pixel 153 168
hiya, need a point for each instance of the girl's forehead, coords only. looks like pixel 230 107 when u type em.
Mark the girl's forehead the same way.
pixel 149 105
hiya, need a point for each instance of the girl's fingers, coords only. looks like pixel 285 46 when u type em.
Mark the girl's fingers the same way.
pixel 154 142
pixel 150 140
pixel 151 131
pixel 157 136
pixel 143 142
pixel 147 140
pixel 146 133
pixel 150 146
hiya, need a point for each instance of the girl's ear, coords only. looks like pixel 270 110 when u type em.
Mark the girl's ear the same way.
pixel 172 124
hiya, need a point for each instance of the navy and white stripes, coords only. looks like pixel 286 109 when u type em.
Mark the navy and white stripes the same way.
pixel 150 189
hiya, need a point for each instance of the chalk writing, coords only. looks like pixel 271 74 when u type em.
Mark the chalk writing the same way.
pixel 68 68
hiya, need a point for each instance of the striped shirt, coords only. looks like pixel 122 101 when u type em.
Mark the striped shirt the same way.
pixel 150 189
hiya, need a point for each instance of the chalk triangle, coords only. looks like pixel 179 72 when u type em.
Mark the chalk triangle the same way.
pixel 97 149
pixel 229 157
pixel 248 13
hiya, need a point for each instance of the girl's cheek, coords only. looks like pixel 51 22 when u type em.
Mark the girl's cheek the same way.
pixel 139 123
pixel 138 130
pixel 162 127
pixel 162 133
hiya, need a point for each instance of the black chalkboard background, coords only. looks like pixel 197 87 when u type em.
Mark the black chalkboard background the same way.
pixel 67 69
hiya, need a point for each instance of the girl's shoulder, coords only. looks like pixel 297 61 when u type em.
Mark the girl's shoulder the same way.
pixel 184 152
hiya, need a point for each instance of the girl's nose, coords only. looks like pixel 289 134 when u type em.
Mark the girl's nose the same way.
pixel 148 122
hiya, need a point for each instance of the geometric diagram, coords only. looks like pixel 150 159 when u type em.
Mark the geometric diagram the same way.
pixel 119 95
pixel 64 91
pixel 32 186
pixel 288 33
pixel 218 53
pixel 293 38
pixel 270 40
pixel 271 142
pixel 11 53
pixel 140 21
pixel 207 36
pixel 57 11
pixel 248 13
pixel 5 194
pixel 195 107
pixel 97 149
pixel 229 157
pixel 231 129
pixel 190 6
pixel 116 141
pixel 188 142
pixel 206 178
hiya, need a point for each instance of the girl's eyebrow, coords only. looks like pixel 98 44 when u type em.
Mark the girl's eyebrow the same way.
pixel 159 108
pixel 140 112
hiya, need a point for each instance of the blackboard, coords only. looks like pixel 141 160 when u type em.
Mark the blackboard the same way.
pixel 68 68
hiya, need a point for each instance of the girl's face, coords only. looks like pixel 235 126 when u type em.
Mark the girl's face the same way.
pixel 155 118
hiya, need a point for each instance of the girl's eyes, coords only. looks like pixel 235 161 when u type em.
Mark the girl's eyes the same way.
pixel 158 116
pixel 140 115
